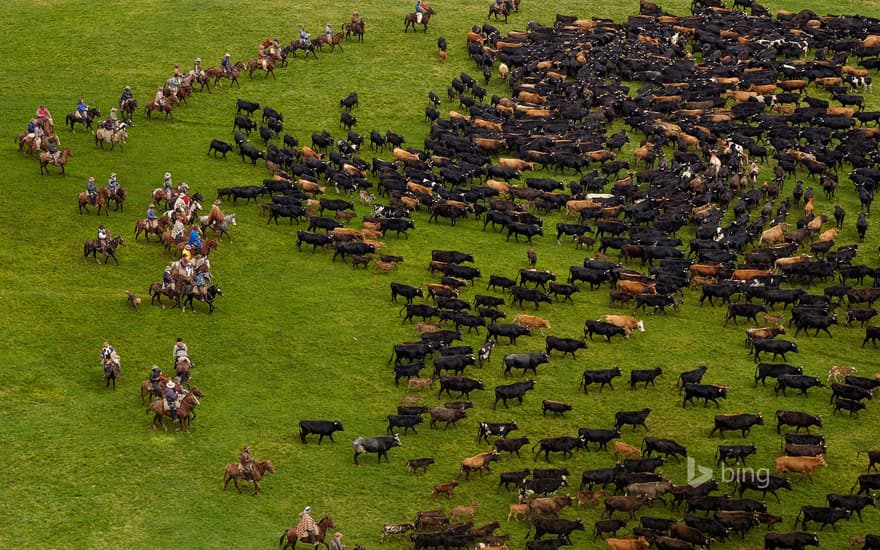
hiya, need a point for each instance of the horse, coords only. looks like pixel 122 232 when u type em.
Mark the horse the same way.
pixel 235 471
pixel 210 294
pixel 112 136
pixel 73 117
pixel 111 370
pixel 185 410
pixel 293 537
pixel 232 75
pixel 264 64
pixel 157 290
pixel 93 246
pixel 204 250
pixel 147 227
pixel 170 102
pixel 222 228
pixel 412 19
pixel 128 107
pixel 354 28
pixel 27 143
pixel 298 45
pixel 119 198
pixel 502 9
pixel 147 389
pixel 46 159
pixel 101 201
pixel 333 41
pixel 182 368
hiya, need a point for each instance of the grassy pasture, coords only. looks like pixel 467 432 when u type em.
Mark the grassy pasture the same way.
pixel 296 335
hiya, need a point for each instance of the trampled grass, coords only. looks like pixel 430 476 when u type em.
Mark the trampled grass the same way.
pixel 297 335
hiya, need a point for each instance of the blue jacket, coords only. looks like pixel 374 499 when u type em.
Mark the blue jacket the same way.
pixel 170 395
pixel 194 238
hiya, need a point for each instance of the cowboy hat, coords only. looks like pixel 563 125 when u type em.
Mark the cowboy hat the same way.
pixel 113 110
pixel 218 202
pixel 154 367
pixel 167 174
pixel 199 59
pixel 128 87
pixel 227 54
pixel 307 509
pixel 106 344
pixel 170 384
pixel 113 174
pixel 152 205
pixel 91 178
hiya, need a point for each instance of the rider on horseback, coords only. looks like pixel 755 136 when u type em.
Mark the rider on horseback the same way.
pixel 93 195
pixel 82 109
pixel 113 183
pixel 355 17
pixel 180 350
pixel 421 7
pixel 195 240
pixel 197 68
pixel 112 123
pixel 167 279
pixel 155 379
pixel 247 463
pixel 43 113
pixel 304 36
pixel 226 64
pixel 328 32
pixel 107 350
pixel 171 399
pixel 159 100
pixel 125 97
pixel 178 230
pixel 307 527
pixel 175 78
pixel 215 216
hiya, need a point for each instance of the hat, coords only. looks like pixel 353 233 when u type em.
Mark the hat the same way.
pixel 113 110
pixel 307 509
pixel 155 367
pixel 128 87
pixel 152 205
pixel 91 178
pixel 227 54
pixel 113 174
pixel 217 201
pixel 199 59
pixel 106 344
pixel 167 174
pixel 170 384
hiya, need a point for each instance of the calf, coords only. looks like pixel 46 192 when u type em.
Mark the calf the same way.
pixel 444 489
pixel 512 445
pixel 478 463
pixel 219 147
pixel 413 465
pixel 850 405
pixel 556 407
pixel 517 478
pixel 516 391
pixel 320 427
pixel 593 497
pixel 627 544
pixel 599 376
pixel 394 529
pixel 622 448
pixel 797 419
pixel 645 375
pixel 694 376
pixel 736 452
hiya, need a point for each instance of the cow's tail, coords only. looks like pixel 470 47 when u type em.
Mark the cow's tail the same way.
pixel 392 356
pixel 798 517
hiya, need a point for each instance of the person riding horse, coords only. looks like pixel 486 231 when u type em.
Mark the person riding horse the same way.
pixel 215 216
pixel 328 32
pixel 82 110
pixel 155 379
pixel 43 113
pixel 197 68
pixel 125 97
pixel 355 18
pixel 307 527
pixel 104 238
pixel 247 463
pixel 304 37
pixel 107 350
pixel 226 64
pixel 92 192
pixel 176 76
pixel 113 183
pixel 195 240
pixel 421 7
pixel 171 399
pixel 159 100
pixel 180 350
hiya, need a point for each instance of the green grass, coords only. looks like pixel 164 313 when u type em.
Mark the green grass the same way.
pixel 296 335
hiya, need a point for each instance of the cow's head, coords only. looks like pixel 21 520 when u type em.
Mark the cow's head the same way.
pixel 337 425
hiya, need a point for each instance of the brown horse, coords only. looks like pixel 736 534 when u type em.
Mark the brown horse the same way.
pixel 170 102
pixel 184 410
pixel 101 200
pixel 128 107
pixel 293 536
pixel 111 370
pixel 46 159
pixel 218 73
pixel 119 198
pixel 235 471
pixel 332 41
pixel 205 250
pixel 147 389
pixel 182 368
pixel 93 246
pixel 412 19
pixel 265 64
pixel 354 28
pixel 157 290
pixel 148 227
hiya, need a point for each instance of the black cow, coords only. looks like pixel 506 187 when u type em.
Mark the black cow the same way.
pixel 872 333
pixel 547 544
pixel 245 124
pixel 525 229
pixel 558 408
pixel 741 421
pixel 849 391
pixel 862 382
pixel 540 278
pixel 633 418
pixel 793 449
pixel 455 363
pixel 706 392
pixel 516 391
pixel 795 540
pixel 797 419
pixel 461 271
pixel 423 311
pixel 745 309
pixel 251 152
pixel 860 315
pixel 557 526
pixel 520 294
pixel 852 503
pixel 867 483
pixel 599 376
pixel 517 478
pixel 398 225
pixel 565 345
pixel 502 282
pixel 657 301
pixel 850 405
pixel 763 484
pixel 379 445
pixel 648 464
pixel 564 290
pixel 644 375
pixel 446 414
pixel 797 382
pixel 247 106
pixel 488 301
pixel 320 427
pixel 493 315
pixel 602 329
pixel 822 515
pixel 666 447
pixel 774 370
pixel 405 421
pixel 564 444
pixel 737 521
pixel 411 351
pixel 594 276
pixel 291 211
pixel 524 361
pixel 499 429
pixel 736 452
pixel 327 224
pixel 599 476
pixel 512 445
pixel 460 384
pixel 776 347
pixel 721 290
pixel 408 292
pixel 818 322
pixel 314 239
pixel 508 330
pixel 219 147
pixel 407 371
pixel 693 376
pixel 451 256
pixel 598 435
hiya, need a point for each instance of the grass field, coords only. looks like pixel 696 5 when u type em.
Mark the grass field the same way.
pixel 297 336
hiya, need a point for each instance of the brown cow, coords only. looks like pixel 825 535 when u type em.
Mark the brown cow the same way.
pixel 643 153
pixel 732 80
pixel 749 274
pixel 477 463
pixel 871 41
pixel 840 111
pixel 625 449
pixel 828 81
pixel 636 287
pixel 548 506
pixel 763 89
pixel 530 97
pixel 803 465
pixel 405 156
pixel 444 488
pixel 785 262
pixel 418 188
pixel 704 270
pixel 599 155
pixel 774 235
pixel 740 96
pixel 418 384
pixel 828 235
pixel 838 372
pixel 308 152
pixel 501 187
pixel 490 145
pixel 531 321
pixel 627 544
pixel 487 124
pixel 573 207
pixel 464 511
pixel 792 85
pixel 593 497
pixel 516 164
pixel 625 322
pixel 309 186
pixel 623 504
pixel 518 512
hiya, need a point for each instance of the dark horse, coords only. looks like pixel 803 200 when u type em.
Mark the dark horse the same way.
pixel 90 116
pixel 157 291
pixel 111 371
pixel 354 28
pixel 102 198
pixel 293 537
pixel 182 369
pixel 93 246
pixel 208 297
pixel 129 106
pixel 298 45
pixel 411 20
pixel 235 471
pixel 502 9
pixel 119 198
pixel 333 41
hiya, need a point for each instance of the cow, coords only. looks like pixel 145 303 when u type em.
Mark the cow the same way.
pixel 547 506
pixel 518 512
pixel 666 447
pixel 219 147
pixel 738 453
pixel 623 504
pixel 763 483
pixel 460 384
pixel 851 503
pixel 636 287
pixel 455 363
pixel 633 418
pixel 762 332
pixel 445 414
pixel 379 445
pixel 625 449
pixel 478 463
pixel 693 376
pixel 444 489
pixel 797 419
pixel 558 408
pixel 706 392
pixel 740 421
pixel 872 333
pixel 564 290
pixel 510 331
pixel 803 465
pixel 600 436
pixel 407 291
pixel 873 458
pixel 746 309
pixel 776 347
pixel 394 529
pixel 320 427
pixel 796 540
pixel 512 445
pixel 822 515
pixel 849 391
pixel 603 328
pixel 608 526
pixel 413 465
pixel 540 278
pixel 405 421
pixel 555 526
pixel 517 478
pixel 798 382
pixel 867 483
pixel 502 282
pixel 794 449
pixel 564 445
pixel 774 370
pixel 499 429
pixel 644 375
pixel 690 535
pixel 517 391
pixel 314 239
pixel 599 376
pixel 411 351
pixel 850 405
pixel 600 476
pixel 531 321
pixel 520 294
pixel 627 544
pixel 565 345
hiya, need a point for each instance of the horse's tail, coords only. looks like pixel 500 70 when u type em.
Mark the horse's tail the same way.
pixel 281 540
